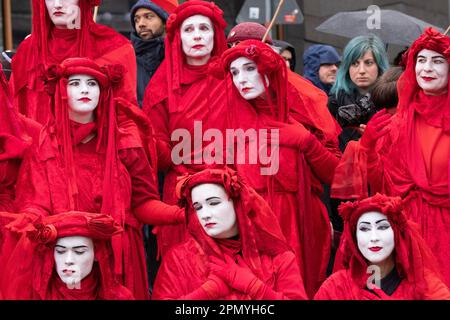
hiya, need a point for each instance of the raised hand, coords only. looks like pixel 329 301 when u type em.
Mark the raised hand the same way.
pixel 377 127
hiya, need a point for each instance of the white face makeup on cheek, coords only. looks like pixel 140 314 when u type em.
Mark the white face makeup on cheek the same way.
pixel 215 211
pixel 83 93
pixel 375 237
pixel 74 258
pixel 432 72
pixel 65 14
pixel 247 79
pixel 197 37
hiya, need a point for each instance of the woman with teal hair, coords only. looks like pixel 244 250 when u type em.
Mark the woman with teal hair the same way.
pixel 364 60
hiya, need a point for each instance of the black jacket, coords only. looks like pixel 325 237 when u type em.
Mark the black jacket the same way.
pixel 350 110
pixel 149 55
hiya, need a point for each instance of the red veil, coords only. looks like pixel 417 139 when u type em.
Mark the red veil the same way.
pixel 30 270
pixel 413 258
pixel 48 45
pixel 258 228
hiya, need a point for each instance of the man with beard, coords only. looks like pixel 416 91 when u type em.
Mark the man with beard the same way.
pixel 148 20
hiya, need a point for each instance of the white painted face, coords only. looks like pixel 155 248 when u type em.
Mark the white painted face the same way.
pixel 247 79
pixel 74 258
pixel 214 210
pixel 375 237
pixel 432 72
pixel 197 36
pixel 65 14
pixel 83 93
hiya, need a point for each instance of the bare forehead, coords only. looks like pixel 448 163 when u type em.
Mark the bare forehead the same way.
pixel 197 20
pixel 429 53
pixel 239 62
pixel 207 190
pixel 372 217
pixel 75 241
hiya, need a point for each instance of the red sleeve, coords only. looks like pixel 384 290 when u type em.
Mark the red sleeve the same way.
pixel 143 184
pixel 160 122
pixel 8 175
pixel 321 160
pixel 32 190
pixel 288 284
pixel 437 290
pixel 336 287
pixel 175 277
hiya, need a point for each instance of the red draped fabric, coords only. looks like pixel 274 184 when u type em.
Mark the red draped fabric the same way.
pixel 30 273
pixel 414 262
pixel 179 94
pixel 294 190
pixel 261 244
pixel 412 161
pixel 48 45
pixel 341 286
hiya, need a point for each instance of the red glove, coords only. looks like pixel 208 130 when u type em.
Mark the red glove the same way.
pixel 212 289
pixel 11 147
pixel 290 135
pixel 156 212
pixel 237 276
pixel 377 127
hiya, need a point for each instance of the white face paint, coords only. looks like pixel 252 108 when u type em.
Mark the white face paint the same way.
pixel 83 93
pixel 375 237
pixel 214 210
pixel 247 79
pixel 74 258
pixel 432 72
pixel 65 14
pixel 197 38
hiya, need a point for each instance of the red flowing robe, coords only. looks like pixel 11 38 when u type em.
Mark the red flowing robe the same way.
pixel 184 269
pixel 341 286
pixel 294 195
pixel 412 162
pixel 200 98
pixel 42 190
pixel 105 46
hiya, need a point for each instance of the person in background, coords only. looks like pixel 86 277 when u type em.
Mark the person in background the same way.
pixel 148 22
pixel 247 31
pixel 321 63
pixel 287 51
pixel 349 101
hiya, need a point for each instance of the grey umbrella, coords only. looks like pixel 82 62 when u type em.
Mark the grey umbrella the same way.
pixel 391 26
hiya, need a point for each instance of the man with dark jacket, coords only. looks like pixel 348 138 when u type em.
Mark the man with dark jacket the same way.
pixel 148 21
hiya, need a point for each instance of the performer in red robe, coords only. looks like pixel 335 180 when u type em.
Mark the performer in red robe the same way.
pixel 382 256
pixel 407 155
pixel 60 32
pixel 181 92
pixel 293 191
pixel 16 133
pixel 64 257
pixel 234 248
pixel 85 161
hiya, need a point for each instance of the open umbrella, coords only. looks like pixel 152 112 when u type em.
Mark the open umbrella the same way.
pixel 391 26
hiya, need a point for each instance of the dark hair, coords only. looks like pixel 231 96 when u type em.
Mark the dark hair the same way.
pixel 384 91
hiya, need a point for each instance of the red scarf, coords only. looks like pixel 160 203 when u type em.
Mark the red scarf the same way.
pixel 88 288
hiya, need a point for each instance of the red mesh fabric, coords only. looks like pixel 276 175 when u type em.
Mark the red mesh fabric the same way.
pixel 413 258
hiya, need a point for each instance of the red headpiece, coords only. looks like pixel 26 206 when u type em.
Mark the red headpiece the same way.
pixel 412 255
pixel 269 64
pixel 33 270
pixel 258 229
